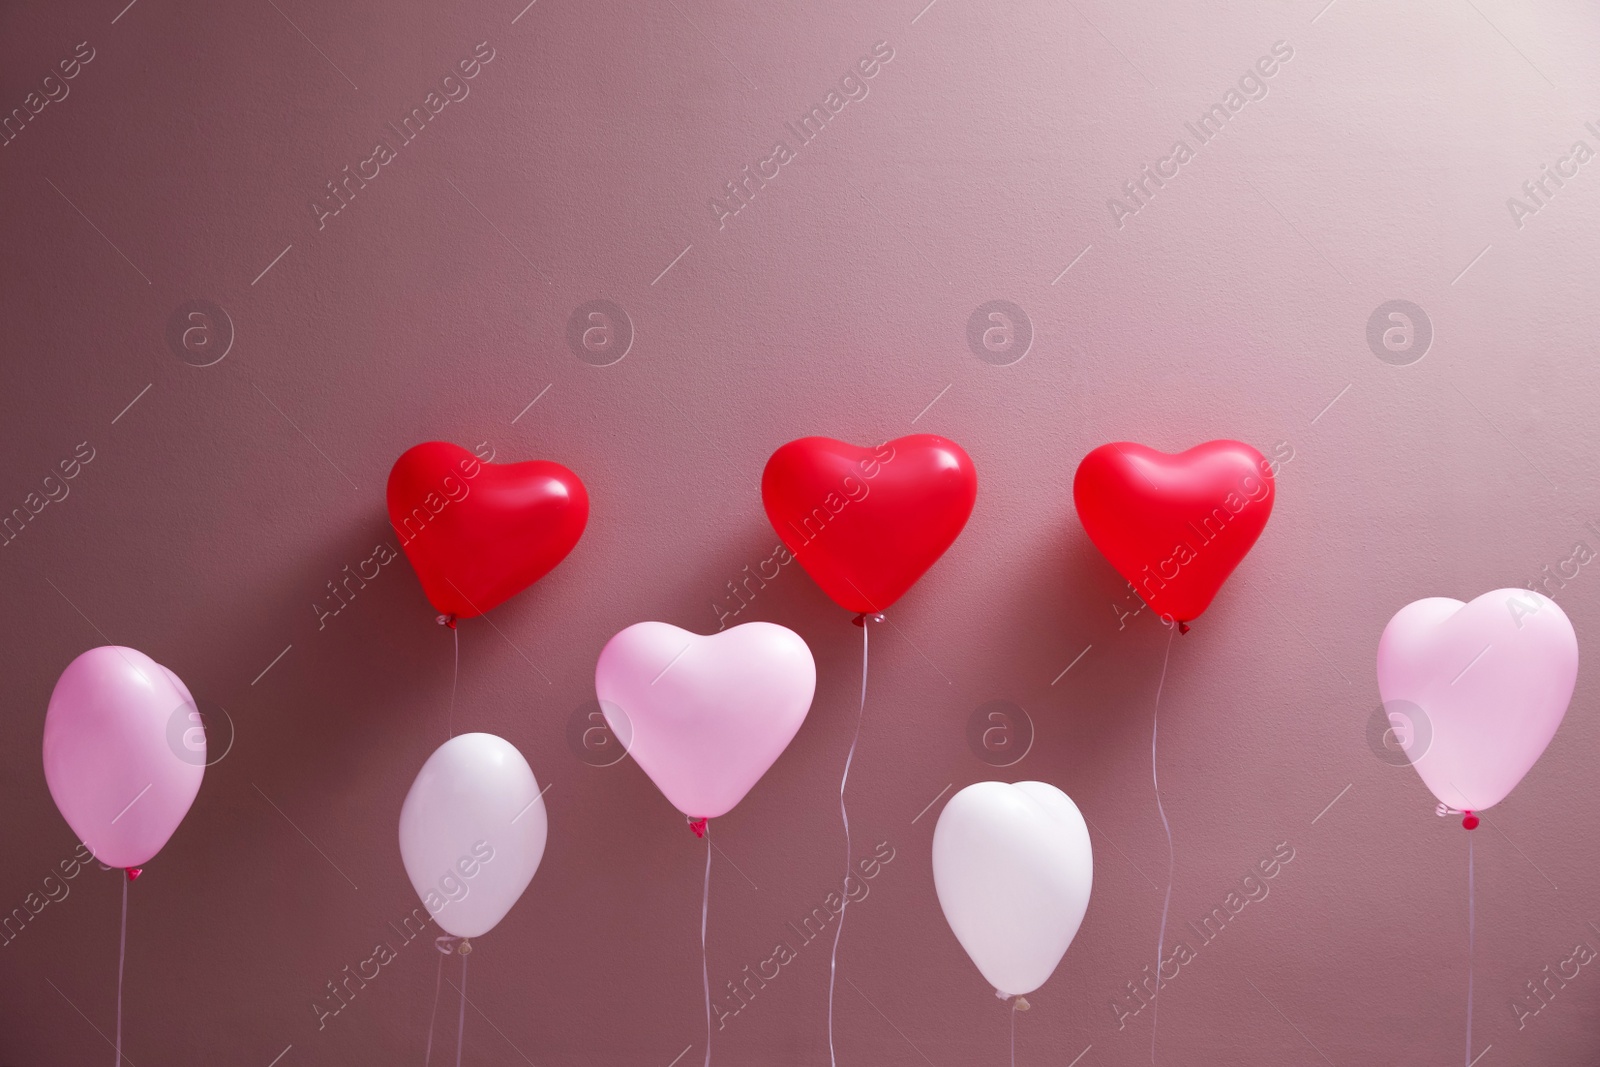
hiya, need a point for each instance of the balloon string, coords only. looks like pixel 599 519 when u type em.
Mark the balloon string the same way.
pixel 454 678
pixel 461 1020
pixel 122 955
pixel 433 1016
pixel 1470 932
pixel 844 814
pixel 705 971
pixel 1155 722
pixel 1013 1034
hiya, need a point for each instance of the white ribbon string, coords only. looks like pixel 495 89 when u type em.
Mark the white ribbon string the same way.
pixel 1470 933
pixel 461 1020
pixel 1013 1034
pixel 844 815
pixel 455 677
pixel 448 945
pixel 438 978
pixel 705 972
pixel 1155 723
pixel 122 956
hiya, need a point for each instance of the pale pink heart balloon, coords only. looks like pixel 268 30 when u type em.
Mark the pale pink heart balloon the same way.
pixel 705 716
pixel 123 753
pixel 1486 684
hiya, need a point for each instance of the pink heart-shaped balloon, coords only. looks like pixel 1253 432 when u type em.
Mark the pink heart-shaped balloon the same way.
pixel 1484 686
pixel 705 716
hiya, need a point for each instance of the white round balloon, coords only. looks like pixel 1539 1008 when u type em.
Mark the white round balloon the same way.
pixel 1013 868
pixel 472 832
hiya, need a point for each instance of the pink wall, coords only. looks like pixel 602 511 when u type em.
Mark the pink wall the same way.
pixel 186 156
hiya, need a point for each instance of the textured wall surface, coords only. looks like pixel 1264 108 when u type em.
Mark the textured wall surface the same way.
pixel 169 204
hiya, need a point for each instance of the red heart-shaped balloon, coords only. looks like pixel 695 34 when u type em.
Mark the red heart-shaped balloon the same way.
pixel 1174 526
pixel 866 523
pixel 479 533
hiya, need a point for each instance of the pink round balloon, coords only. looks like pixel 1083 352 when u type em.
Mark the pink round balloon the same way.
pixel 705 716
pixel 120 753
pixel 1486 684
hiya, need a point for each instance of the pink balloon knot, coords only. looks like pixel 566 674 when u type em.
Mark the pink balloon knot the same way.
pixel 133 873
pixel 698 826
pixel 1183 627
pixel 1469 821
pixel 446 943
pixel 446 620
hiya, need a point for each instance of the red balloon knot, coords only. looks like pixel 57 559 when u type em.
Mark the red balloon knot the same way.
pixel 1469 821
pixel 698 826
pixel 446 620
pixel 864 618
pixel 133 873
pixel 1183 627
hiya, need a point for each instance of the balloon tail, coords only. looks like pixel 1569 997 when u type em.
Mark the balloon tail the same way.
pixel 1155 781
pixel 1470 931
pixel 461 1020
pixel 844 815
pixel 438 978
pixel 122 956
pixel 699 826
pixel 705 907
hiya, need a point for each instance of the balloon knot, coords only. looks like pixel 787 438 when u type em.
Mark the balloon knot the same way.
pixel 862 619
pixel 446 943
pixel 1469 821
pixel 133 873
pixel 446 620
pixel 1021 1004
pixel 1183 627
pixel 698 826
